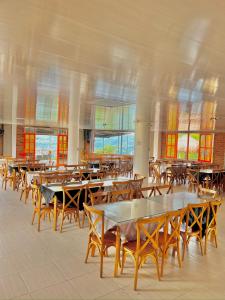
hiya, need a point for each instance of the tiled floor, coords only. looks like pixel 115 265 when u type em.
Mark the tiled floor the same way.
pixel 49 265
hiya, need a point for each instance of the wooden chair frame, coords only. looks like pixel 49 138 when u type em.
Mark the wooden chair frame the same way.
pixel 67 211
pixel 197 220
pixel 144 248
pixel 96 239
pixel 212 222
pixel 171 236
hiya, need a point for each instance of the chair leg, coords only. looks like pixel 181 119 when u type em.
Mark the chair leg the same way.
pixel 162 263
pixel 123 260
pixel 136 272
pixel 101 262
pixel 157 267
pixel 78 216
pixel 178 254
pixel 93 250
pixel 206 242
pixel 184 249
pixel 200 242
pixel 88 250
pixel 39 220
pixel 62 221
pixel 33 217
pixel 215 237
pixel 83 218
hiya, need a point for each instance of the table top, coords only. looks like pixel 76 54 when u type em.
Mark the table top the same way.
pixel 130 211
pixel 57 187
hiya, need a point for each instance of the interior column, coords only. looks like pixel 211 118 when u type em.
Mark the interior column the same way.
pixel 142 136
pixel 74 118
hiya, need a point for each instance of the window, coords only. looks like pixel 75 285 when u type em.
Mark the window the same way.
pixel 62 149
pixel 47 107
pixel 171 146
pixel 115 144
pixel 182 146
pixel 46 144
pixel 193 146
pixel 29 145
pixel 205 148
pixel 115 118
pixel 46 147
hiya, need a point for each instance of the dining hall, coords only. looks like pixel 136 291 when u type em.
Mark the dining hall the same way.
pixel 112 149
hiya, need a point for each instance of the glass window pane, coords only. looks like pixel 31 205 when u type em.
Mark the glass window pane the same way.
pixel 193 146
pixel 182 146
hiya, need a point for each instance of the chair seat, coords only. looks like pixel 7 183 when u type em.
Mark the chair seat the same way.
pixel 109 238
pixel 162 239
pixel 132 246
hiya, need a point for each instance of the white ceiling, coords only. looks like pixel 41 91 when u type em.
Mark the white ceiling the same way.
pixel 119 49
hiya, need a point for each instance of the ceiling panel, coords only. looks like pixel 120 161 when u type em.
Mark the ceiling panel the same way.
pixel 121 50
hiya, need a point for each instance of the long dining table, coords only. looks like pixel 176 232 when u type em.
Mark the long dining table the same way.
pixel 121 213
pixel 53 192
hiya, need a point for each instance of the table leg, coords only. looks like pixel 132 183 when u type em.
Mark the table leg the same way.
pixel 117 258
pixel 55 214
pixel 14 180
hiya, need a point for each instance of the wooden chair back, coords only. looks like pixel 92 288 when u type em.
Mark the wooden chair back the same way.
pixel 90 189
pixel 95 219
pixel 99 198
pixel 146 237
pixel 121 185
pixel 212 219
pixel 71 196
pixel 120 195
pixel 174 221
pixel 135 186
pixel 195 214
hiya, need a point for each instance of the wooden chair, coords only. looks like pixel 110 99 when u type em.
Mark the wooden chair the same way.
pixel 99 198
pixel 163 189
pixel 121 185
pixel 193 179
pixel 7 177
pixel 97 237
pixel 121 195
pixel 25 189
pixel 90 188
pixel 171 236
pixel 86 174
pixel 146 246
pixel 135 185
pixel 40 209
pixel 194 224
pixel 147 191
pixel 211 229
pixel 70 205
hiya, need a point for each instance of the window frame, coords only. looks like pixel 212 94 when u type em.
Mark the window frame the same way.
pixel 171 145
pixel 205 147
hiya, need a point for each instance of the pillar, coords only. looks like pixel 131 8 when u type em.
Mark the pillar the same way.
pixel 142 135
pixel 10 129
pixel 74 119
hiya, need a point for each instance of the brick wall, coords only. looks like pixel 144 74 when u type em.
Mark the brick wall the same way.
pixel 219 149
pixel 19 141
